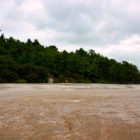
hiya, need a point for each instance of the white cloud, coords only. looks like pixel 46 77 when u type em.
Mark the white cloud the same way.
pixel 128 49
pixel 111 27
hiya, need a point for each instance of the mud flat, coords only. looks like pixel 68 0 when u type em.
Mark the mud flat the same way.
pixel 69 112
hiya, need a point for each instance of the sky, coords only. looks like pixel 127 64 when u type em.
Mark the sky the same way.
pixel 110 27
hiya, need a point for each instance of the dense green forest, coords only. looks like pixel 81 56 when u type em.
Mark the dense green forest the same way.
pixel 31 62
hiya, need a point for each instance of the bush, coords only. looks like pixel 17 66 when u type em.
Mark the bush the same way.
pixel 21 81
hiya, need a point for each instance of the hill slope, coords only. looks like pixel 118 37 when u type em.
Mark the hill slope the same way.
pixel 33 63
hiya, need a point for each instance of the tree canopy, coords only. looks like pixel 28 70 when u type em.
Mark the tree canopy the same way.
pixel 31 62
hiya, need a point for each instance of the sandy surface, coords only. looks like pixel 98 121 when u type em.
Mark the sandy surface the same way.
pixel 69 112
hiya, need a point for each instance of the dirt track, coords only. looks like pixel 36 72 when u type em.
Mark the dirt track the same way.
pixel 69 112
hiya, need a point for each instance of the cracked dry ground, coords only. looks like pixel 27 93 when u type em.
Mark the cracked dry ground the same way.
pixel 30 113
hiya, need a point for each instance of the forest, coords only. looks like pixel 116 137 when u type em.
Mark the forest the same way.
pixel 31 62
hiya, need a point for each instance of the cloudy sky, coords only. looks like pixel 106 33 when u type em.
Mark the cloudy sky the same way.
pixel 110 27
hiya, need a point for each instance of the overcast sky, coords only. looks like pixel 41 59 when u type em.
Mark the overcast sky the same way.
pixel 110 27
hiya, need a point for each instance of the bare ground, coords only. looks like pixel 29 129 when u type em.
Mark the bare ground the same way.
pixel 69 112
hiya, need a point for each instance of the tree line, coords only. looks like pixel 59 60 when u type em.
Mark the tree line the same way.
pixel 31 62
